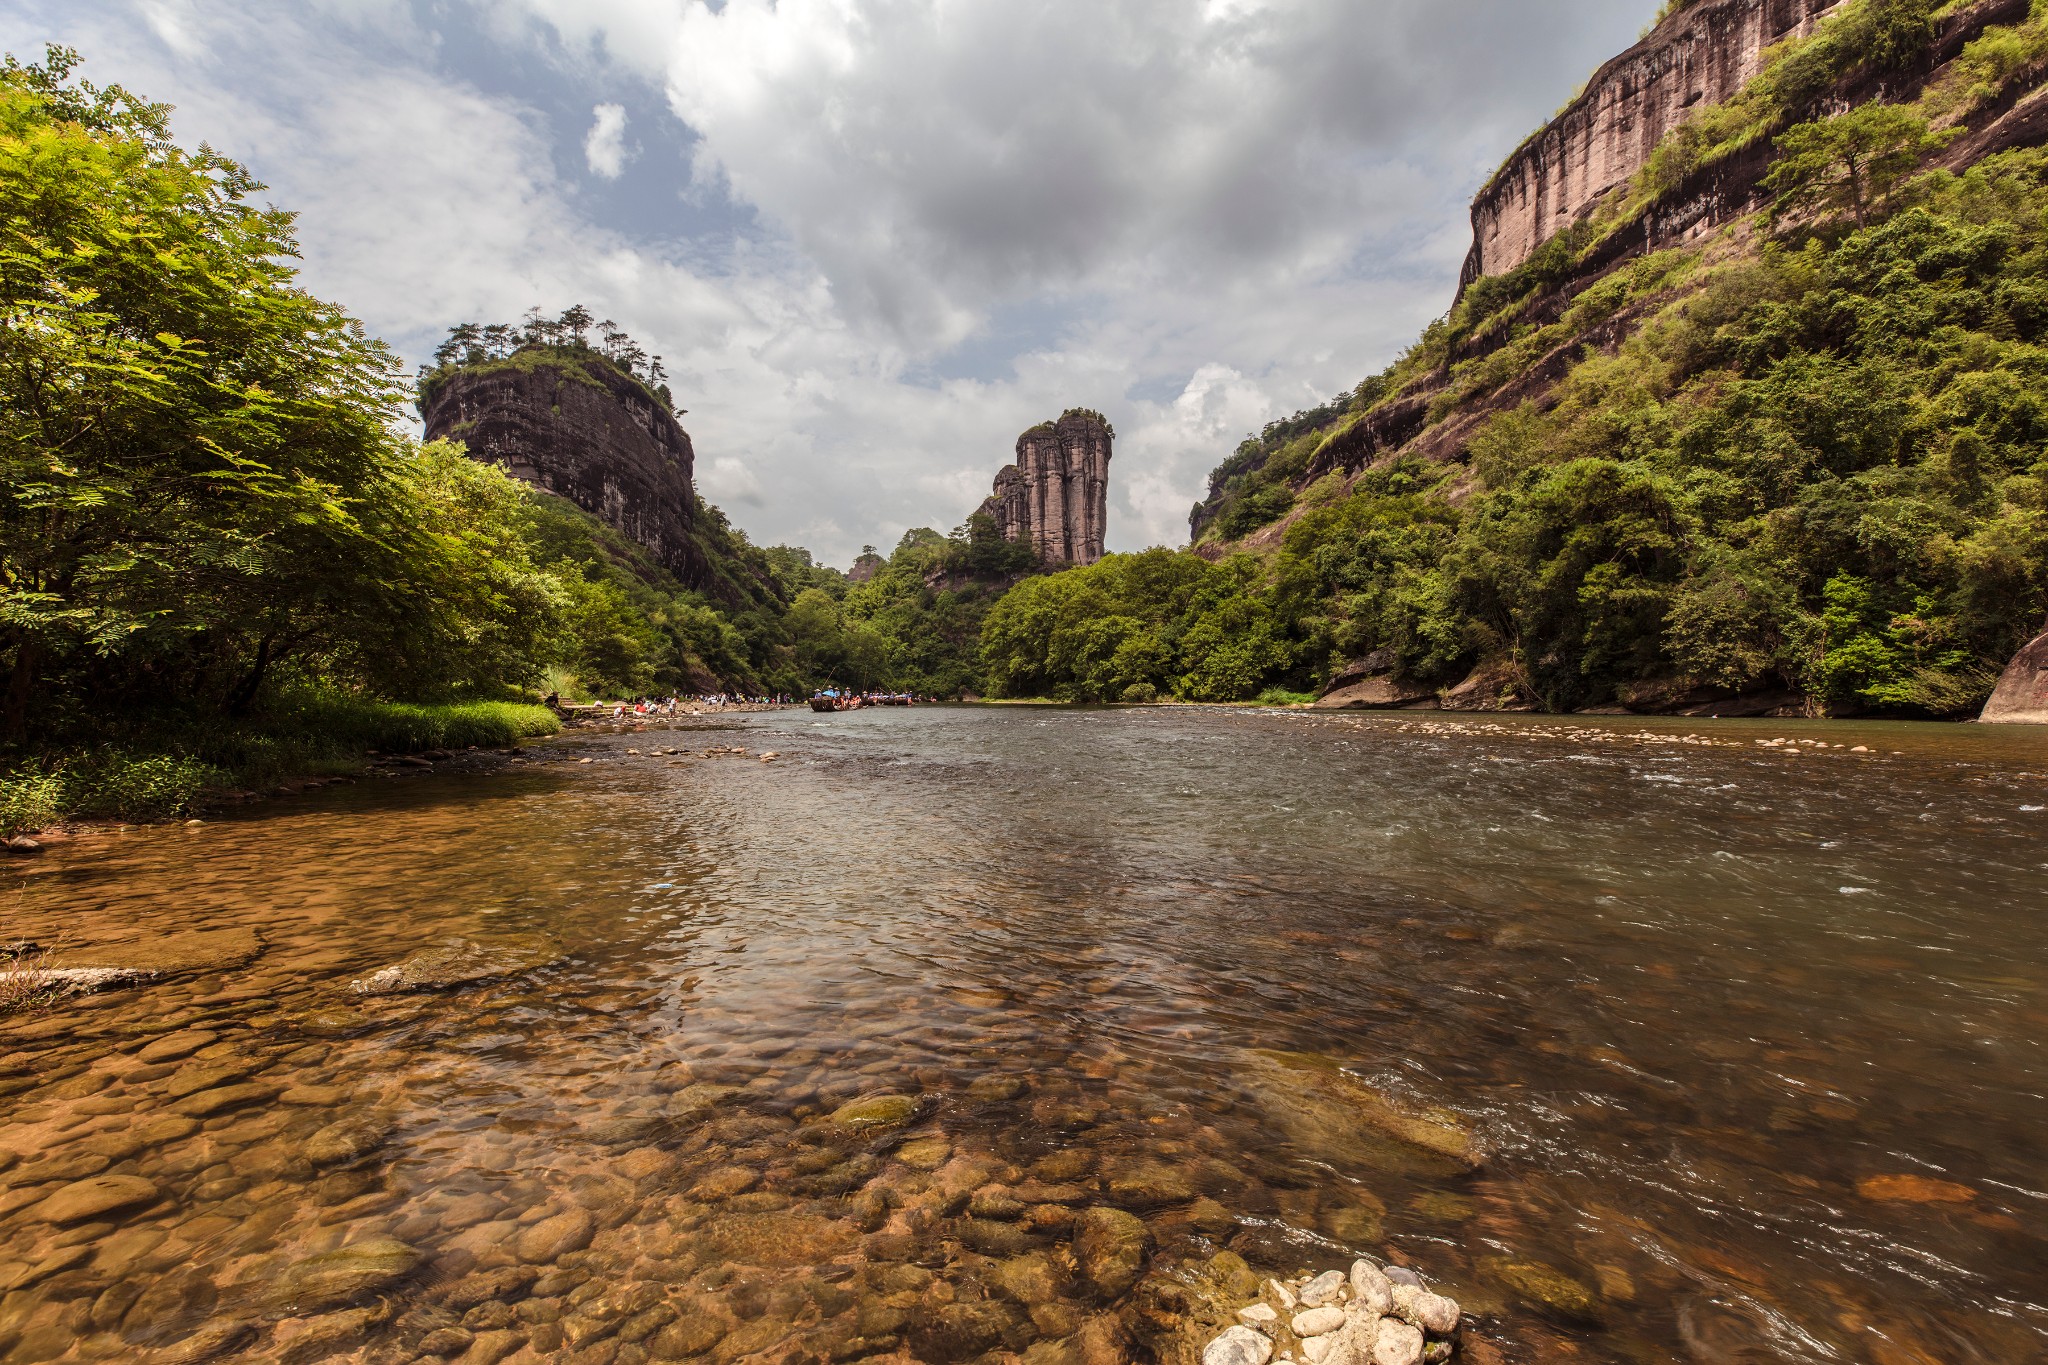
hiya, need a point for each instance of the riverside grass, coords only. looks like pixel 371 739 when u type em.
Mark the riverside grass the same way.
pixel 168 772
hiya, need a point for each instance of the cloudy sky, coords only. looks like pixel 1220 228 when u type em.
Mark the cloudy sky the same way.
pixel 874 239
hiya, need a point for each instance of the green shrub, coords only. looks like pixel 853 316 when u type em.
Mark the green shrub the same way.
pixel 29 800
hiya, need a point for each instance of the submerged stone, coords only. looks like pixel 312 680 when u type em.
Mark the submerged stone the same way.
pixel 1109 1250
pixel 778 1240
pixel 1148 1184
pixel 873 1112
pixel 463 962
pixel 551 1238
pixel 346 1140
pixel 925 1153
pixel 1545 1287
pixel 334 1279
pixel 93 1197
pixel 1323 1107
pixel 206 950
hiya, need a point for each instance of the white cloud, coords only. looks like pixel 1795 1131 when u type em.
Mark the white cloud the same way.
pixel 728 480
pixel 604 146
pixel 1207 212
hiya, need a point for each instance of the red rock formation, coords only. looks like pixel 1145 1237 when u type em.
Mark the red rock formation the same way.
pixel 1703 53
pixel 2021 697
pixel 581 430
pixel 1057 493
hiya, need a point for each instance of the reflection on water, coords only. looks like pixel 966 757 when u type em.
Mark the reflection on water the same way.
pixel 1646 1050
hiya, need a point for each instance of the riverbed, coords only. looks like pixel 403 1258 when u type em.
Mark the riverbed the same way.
pixel 1645 1040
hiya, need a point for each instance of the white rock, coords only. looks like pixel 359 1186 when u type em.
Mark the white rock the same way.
pixel 1316 1350
pixel 1420 1308
pixel 1370 1288
pixel 1258 1312
pixel 1239 1346
pixel 1352 1343
pixel 1316 1322
pixel 1282 1293
pixel 1396 1344
pixel 1324 1288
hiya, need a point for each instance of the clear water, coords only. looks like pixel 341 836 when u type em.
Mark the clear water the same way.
pixel 1751 1047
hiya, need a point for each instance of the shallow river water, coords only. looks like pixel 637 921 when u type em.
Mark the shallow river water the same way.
pixel 1714 1053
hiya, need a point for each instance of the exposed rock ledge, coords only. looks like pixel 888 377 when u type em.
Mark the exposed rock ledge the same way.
pixel 2021 697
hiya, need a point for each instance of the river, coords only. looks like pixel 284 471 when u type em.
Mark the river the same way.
pixel 1740 1051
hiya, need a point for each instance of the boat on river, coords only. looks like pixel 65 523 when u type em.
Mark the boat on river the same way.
pixel 826 701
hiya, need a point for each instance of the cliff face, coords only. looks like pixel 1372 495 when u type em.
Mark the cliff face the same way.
pixel 1703 54
pixel 1056 496
pixel 584 432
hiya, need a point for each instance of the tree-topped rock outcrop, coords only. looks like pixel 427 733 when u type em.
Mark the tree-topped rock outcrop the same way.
pixel 592 423
pixel 1056 496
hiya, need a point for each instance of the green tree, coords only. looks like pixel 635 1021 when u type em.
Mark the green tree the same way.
pixel 198 473
pixel 1855 161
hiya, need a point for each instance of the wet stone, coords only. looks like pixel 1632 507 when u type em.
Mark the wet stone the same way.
pixel 346 1141
pixel 1238 1346
pixel 551 1238
pixel 463 962
pixel 1109 1250
pixel 333 1279
pixel 1370 1288
pixel 779 1239
pixel 1432 1313
pixel 173 1046
pixel 875 1112
pixel 1324 1288
pixel 1315 1322
pixel 211 1342
pixel 92 1197
pixel 207 1103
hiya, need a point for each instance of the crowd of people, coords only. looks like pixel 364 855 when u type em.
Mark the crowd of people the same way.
pixel 675 704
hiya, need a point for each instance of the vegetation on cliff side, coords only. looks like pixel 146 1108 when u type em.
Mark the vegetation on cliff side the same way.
pixel 1812 457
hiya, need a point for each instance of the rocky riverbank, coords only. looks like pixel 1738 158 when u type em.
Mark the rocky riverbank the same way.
pixel 1372 1316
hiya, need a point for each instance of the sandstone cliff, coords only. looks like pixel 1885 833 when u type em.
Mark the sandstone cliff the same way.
pixel 1056 496
pixel 1581 164
pixel 578 428
pixel 1703 54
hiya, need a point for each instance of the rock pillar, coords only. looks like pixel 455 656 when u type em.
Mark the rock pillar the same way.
pixel 1056 496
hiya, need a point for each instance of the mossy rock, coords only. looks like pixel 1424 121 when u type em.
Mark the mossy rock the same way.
pixel 463 962
pixel 336 1278
pixel 1546 1289
pixel 872 1113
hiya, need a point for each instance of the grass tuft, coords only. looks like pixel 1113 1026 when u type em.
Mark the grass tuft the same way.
pixel 25 980
pixel 163 774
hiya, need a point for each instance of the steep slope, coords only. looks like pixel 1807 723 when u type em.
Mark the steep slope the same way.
pixel 1755 421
